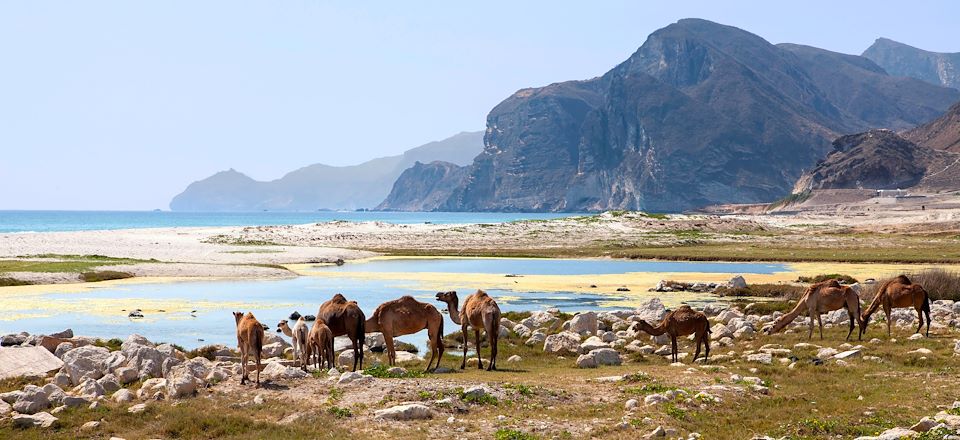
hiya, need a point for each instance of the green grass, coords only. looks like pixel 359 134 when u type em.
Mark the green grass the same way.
pixel 795 198
pixel 104 275
pixel 846 279
pixel 513 434
pixel 7 281
pixel 381 372
pixel 238 241
pixel 340 413
pixel 763 291
pixel 112 344
pixel 62 263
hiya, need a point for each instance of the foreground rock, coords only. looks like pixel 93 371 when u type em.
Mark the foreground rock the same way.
pixel 38 420
pixel 412 411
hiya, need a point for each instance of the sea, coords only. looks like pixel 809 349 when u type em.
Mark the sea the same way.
pixel 50 221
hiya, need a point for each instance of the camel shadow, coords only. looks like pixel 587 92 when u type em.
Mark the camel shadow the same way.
pixel 268 385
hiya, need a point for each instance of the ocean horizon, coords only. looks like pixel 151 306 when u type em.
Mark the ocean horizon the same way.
pixel 13 221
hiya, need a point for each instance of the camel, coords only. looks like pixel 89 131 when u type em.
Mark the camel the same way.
pixel 345 318
pixel 681 322
pixel 819 298
pixel 299 336
pixel 481 312
pixel 405 316
pixel 897 293
pixel 320 343
pixel 249 342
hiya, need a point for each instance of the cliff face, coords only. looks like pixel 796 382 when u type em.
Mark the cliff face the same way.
pixel 701 114
pixel 899 59
pixel 423 187
pixel 321 186
pixel 942 133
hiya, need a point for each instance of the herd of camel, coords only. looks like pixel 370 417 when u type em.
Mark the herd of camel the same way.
pixel 406 315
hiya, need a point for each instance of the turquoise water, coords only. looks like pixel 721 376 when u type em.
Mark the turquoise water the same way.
pixel 44 221
pixel 273 300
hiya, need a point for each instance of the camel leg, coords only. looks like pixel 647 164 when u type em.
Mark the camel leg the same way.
pixel 706 343
pixel 432 337
pixel 886 312
pixel 927 312
pixel 463 332
pixel 810 317
pixel 850 315
pixel 356 353
pixel 391 351
pixel 256 356
pixel 697 353
pixel 494 338
pixel 673 343
pixel 243 367
pixel 820 324
pixel 476 334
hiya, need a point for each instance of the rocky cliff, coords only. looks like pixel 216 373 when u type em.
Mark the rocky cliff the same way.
pixel 899 59
pixel 321 186
pixel 423 186
pixel 701 114
pixel 942 133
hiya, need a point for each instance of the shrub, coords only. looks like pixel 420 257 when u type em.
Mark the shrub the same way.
pixel 786 291
pixel 512 434
pixel 340 413
pixel 110 344
pixel 843 279
pixel 381 371
pixel 104 275
pixel 7 281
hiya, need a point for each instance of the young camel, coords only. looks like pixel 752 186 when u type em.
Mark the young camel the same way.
pixel 896 293
pixel 681 322
pixel 345 318
pixel 249 342
pixel 481 312
pixel 406 316
pixel 819 298
pixel 320 344
pixel 299 336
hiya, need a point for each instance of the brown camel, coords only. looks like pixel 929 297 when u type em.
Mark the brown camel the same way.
pixel 819 298
pixel 320 344
pixel 481 312
pixel 249 342
pixel 897 293
pixel 681 322
pixel 345 318
pixel 299 335
pixel 405 316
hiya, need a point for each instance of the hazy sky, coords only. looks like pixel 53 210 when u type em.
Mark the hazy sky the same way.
pixel 120 105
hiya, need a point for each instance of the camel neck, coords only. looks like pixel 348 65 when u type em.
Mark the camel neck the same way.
pixel 454 310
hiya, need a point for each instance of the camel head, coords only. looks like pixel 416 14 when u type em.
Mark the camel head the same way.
pixel 282 326
pixel 237 316
pixel 450 298
pixel 643 326
pixel 778 324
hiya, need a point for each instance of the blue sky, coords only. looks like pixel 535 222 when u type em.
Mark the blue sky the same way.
pixel 120 105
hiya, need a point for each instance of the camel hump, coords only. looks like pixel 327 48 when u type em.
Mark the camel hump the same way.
pixel 902 279
pixel 481 293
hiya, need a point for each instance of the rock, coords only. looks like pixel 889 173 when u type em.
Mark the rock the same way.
pixel 586 361
pixel 538 338
pixel 182 383
pixel 651 311
pixel 631 404
pixel 656 433
pixel 760 389
pixel 144 357
pixel 126 375
pixel 925 424
pixel 61 379
pixel 562 343
pixel 110 383
pixel 134 340
pixel 606 356
pixel 397 371
pixel 13 339
pixel 62 348
pixel 915 336
pixel 582 324
pixel 375 342
pixel 405 356
pixel 719 331
pixel 727 315
pixel 592 343
pixel 5 408
pixel 826 353
pixel 522 330
pixel 90 388
pixel 348 377
pixel 38 420
pixel 258 399
pixel 763 358
pixel 737 282
pixel 11 396
pixel 921 352
pixel 138 408
pixel 476 392
pixel 75 402
pixel 846 355
pixel 411 411
pixel 27 362
pixel 150 387
pixel 276 371
pixel 295 316
pixel 89 426
pixel 88 361
pixel 655 399
pixel 123 396
pixel 32 400
pixel 54 393
pixel 514 359
pixel 893 434
pixel 273 350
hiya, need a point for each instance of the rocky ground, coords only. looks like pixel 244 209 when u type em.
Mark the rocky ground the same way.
pixel 591 375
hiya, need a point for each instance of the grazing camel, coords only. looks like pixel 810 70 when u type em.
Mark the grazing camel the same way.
pixel 405 316
pixel 345 318
pixel 819 298
pixel 681 322
pixel 896 293
pixel 249 342
pixel 481 312
pixel 320 343
pixel 299 336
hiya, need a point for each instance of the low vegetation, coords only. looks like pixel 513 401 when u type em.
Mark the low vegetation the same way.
pixel 844 279
pixel 104 275
pixel 787 291
pixel 7 281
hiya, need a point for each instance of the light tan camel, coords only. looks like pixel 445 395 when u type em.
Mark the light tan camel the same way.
pixel 299 335
pixel 249 342
pixel 681 322
pixel 819 298
pixel 345 318
pixel 897 293
pixel 481 312
pixel 320 344
pixel 406 316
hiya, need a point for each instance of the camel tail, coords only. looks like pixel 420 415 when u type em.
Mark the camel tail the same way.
pixel 926 303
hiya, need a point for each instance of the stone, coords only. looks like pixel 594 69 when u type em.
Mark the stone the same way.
pixel 375 341
pixel 631 404
pixel 476 392
pixel 562 343
pixel 606 356
pixel 126 375
pixel 54 393
pixel 592 343
pixel 925 424
pixel 826 353
pixel 763 358
pixel 90 388
pixel 655 399
pixel 921 351
pixel 276 371
pixel 273 350
pixel 138 408
pixel 522 330
pixel 258 399
pixel 123 396
pixel 719 331
pixel 656 433
pixel 134 340
pixel 181 382
pixel 27 361
pixel 62 348
pixel 145 358
pixel 5 408
pixel 411 411
pixel 586 361
pixel 514 359
pixel 915 336
pixel 538 338
pixel 348 377
pixel 38 420
pixel 110 383
pixel 893 434
pixel 75 402
pixel 651 311
pixel 397 371
pixel 737 282
pixel 608 337
pixel 846 355
pixel 582 324
pixel 89 426
pixel 32 400
pixel 406 356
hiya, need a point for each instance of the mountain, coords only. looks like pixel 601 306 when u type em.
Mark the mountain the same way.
pixel 882 159
pixel 942 133
pixel 899 59
pixel 423 186
pixel 321 186
pixel 700 114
